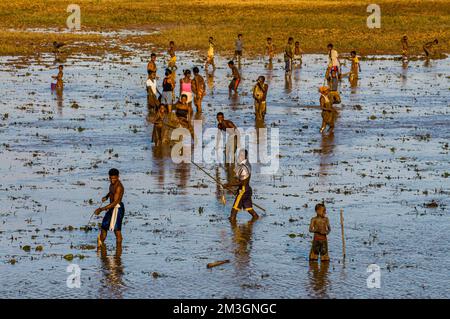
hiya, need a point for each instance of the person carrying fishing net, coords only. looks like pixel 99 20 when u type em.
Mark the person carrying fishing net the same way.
pixel 243 199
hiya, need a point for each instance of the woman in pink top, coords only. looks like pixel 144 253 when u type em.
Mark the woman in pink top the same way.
pixel 186 86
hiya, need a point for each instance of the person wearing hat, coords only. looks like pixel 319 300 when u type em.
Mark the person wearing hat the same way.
pixel 329 113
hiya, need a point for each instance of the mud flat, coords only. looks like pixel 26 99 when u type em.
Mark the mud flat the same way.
pixel 386 167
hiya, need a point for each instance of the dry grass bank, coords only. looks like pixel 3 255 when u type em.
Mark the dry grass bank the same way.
pixel 189 23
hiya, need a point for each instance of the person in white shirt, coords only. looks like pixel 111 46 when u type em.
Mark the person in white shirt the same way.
pixel 333 61
pixel 244 194
pixel 152 99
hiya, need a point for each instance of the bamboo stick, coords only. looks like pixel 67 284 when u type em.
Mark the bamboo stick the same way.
pixel 342 233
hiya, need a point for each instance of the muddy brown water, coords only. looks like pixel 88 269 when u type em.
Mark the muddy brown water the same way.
pixel 388 158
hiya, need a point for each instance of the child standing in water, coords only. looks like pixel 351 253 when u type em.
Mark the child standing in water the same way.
pixel 238 51
pixel 334 85
pixel 288 56
pixel 151 66
pixel 355 68
pixel 198 88
pixel 167 93
pixel 236 78
pixel 320 226
pixel 270 49
pixel 59 78
pixel 405 48
pixel 260 96
pixel 172 56
pixel 329 113
pixel 210 57
pixel 186 86
pixel 428 48
pixel 298 53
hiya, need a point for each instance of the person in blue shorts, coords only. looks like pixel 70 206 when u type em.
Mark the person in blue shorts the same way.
pixel 115 210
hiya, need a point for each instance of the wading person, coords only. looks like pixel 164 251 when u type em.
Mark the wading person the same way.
pixel 198 88
pixel 320 226
pixel 59 79
pixel 260 96
pixel 288 56
pixel 334 88
pixel 186 86
pixel 238 49
pixel 234 84
pixel 243 199
pixel 172 57
pixel 231 139
pixel 158 133
pixel 333 61
pixel 151 66
pixel 184 112
pixel 329 113
pixel 168 87
pixel 298 54
pixel 112 221
pixel 405 48
pixel 355 69
pixel 428 48
pixel 152 91
pixel 270 50
pixel 210 55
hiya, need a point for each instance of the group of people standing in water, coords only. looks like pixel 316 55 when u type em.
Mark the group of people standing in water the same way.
pixel 166 110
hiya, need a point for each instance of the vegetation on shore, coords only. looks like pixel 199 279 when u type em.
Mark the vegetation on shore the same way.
pixel 189 23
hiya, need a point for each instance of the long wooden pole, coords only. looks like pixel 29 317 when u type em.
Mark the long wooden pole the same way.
pixel 342 233
pixel 217 181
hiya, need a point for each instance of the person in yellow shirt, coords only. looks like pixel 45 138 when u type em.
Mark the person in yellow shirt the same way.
pixel 173 57
pixel 355 68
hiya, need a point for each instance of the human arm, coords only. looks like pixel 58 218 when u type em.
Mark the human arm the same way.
pixel 312 226
pixel 117 199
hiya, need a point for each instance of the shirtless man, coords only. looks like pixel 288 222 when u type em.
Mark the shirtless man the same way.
pixel 210 57
pixel 228 126
pixel 244 194
pixel 115 210
pixel 405 48
pixel 289 56
pixel 198 88
pixel 234 84
pixel 151 66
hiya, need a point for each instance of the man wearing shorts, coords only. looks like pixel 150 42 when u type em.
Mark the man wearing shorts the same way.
pixel 114 211
pixel 244 193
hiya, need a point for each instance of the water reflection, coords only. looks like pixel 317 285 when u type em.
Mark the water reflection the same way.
pixel 242 243
pixel 318 278
pixel 327 146
pixel 111 285
pixel 287 84
pixel 182 174
pixel 210 82
pixel 59 101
